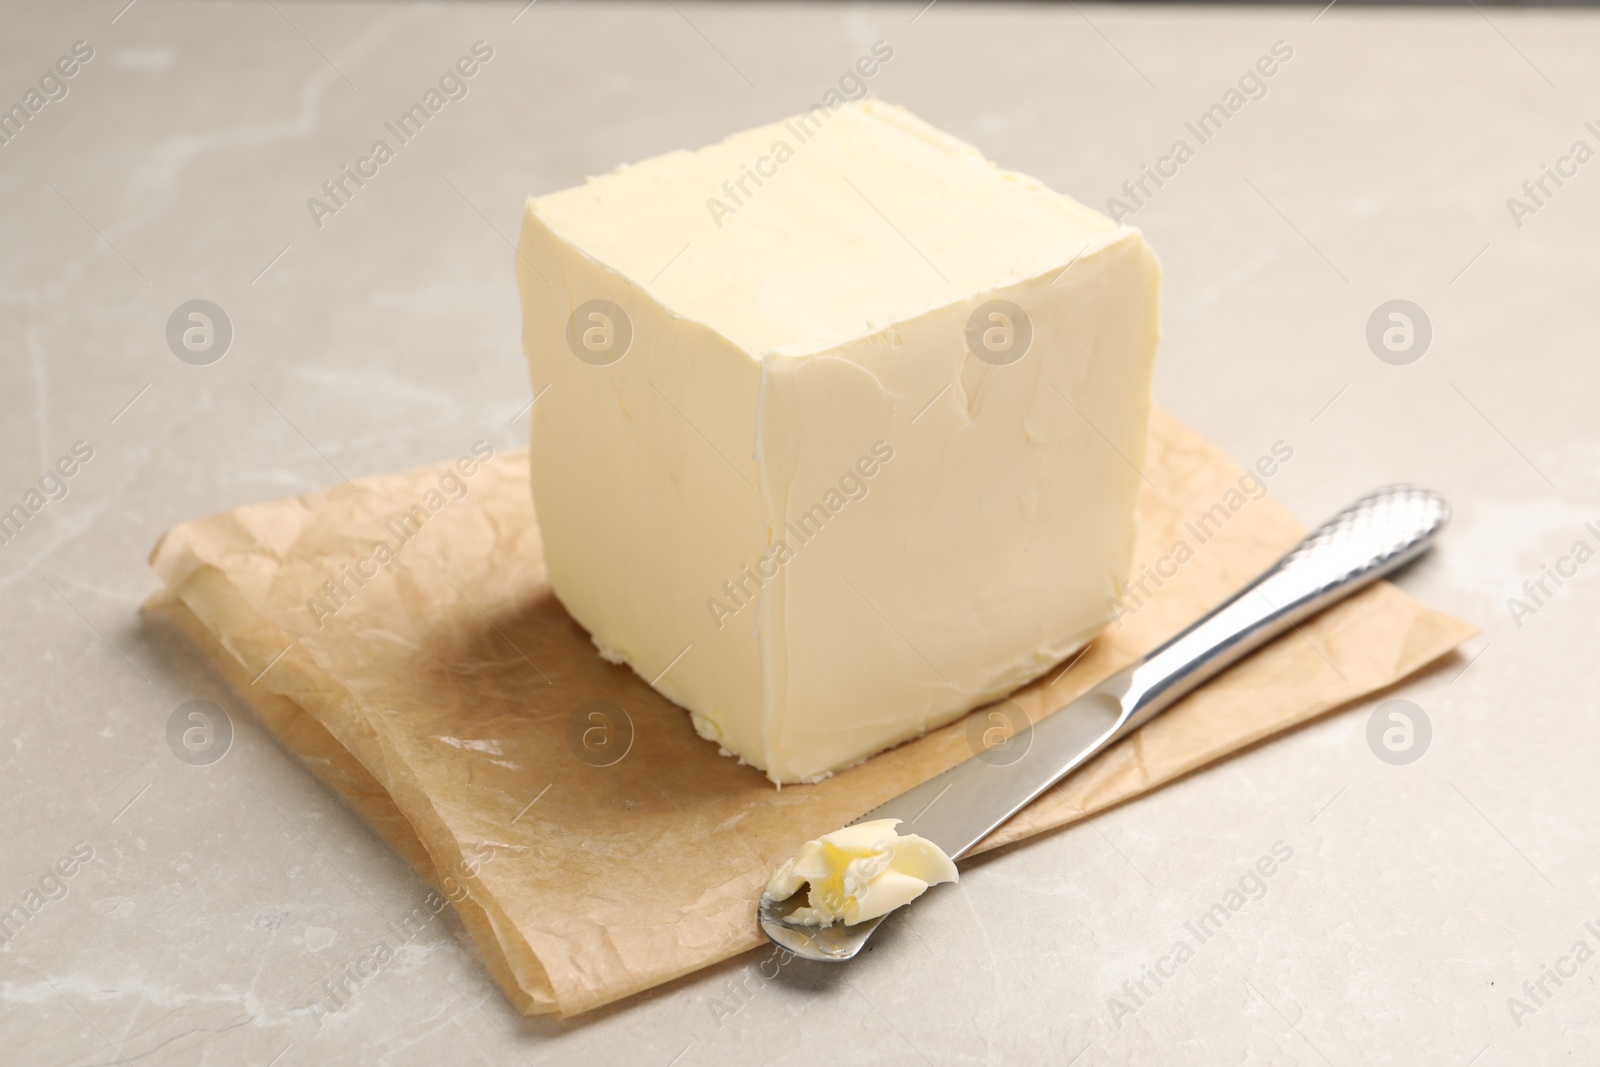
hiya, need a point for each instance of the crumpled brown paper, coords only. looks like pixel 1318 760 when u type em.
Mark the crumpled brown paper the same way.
pixel 448 696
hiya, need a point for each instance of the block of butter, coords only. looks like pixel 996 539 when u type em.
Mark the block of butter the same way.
pixel 837 429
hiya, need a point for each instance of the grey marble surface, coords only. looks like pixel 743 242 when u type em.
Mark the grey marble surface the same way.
pixel 1418 899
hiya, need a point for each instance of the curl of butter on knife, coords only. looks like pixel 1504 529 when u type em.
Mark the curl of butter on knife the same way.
pixel 861 872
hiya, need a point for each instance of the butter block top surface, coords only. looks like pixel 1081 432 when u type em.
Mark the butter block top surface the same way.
pixel 795 237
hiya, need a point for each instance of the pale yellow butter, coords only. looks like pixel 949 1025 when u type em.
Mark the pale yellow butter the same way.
pixel 859 873
pixel 802 473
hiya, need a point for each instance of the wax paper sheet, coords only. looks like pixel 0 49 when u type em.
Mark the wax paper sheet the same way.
pixel 592 843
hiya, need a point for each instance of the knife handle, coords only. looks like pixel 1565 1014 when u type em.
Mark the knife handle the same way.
pixel 1377 534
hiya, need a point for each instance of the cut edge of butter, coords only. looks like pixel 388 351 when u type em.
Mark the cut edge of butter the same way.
pixel 858 873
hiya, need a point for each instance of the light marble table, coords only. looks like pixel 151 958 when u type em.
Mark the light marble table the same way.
pixel 1419 897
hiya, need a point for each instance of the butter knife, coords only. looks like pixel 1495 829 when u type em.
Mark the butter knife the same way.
pixel 955 810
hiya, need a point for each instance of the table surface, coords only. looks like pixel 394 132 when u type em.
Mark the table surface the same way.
pixel 1421 903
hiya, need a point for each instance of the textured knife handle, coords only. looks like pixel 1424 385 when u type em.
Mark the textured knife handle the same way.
pixel 1377 534
pixel 1374 535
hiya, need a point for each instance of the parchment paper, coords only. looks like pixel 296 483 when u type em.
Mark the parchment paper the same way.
pixel 450 699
